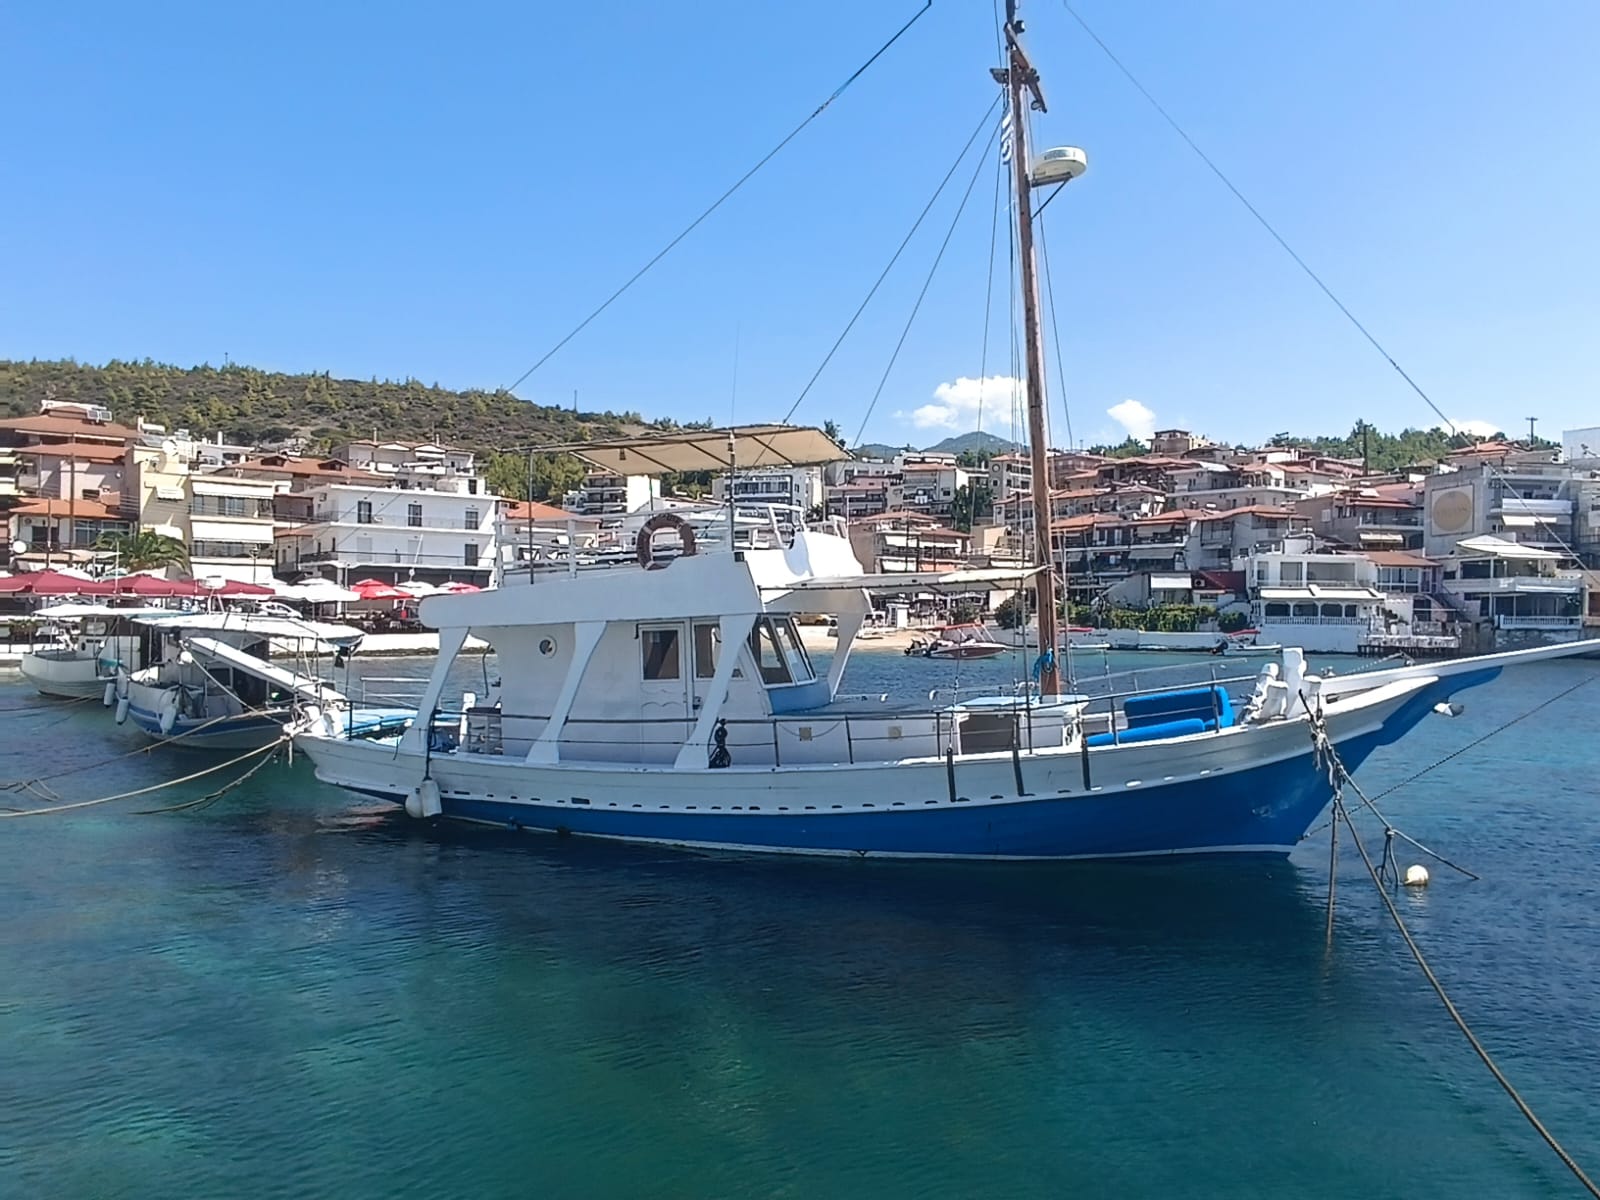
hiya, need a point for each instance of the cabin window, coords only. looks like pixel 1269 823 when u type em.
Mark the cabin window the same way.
pixel 707 644
pixel 661 653
pixel 769 659
pixel 779 656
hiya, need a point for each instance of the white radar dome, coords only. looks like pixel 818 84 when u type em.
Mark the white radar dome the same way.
pixel 1061 164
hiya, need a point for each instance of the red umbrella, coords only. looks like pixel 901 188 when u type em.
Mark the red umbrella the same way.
pixel 54 583
pixel 237 587
pixel 14 583
pixel 459 587
pixel 376 589
pixel 153 586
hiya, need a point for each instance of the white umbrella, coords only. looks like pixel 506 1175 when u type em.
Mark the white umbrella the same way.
pixel 418 588
pixel 317 591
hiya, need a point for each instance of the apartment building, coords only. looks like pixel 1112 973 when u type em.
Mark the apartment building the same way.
pixel 226 521
pixel 798 488
pixel 61 478
pixel 394 533
pixel 1386 518
pixel 1522 497
pixel 605 495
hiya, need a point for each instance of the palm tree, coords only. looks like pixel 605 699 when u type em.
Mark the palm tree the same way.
pixel 145 550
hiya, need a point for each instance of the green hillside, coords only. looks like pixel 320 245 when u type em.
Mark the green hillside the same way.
pixel 251 406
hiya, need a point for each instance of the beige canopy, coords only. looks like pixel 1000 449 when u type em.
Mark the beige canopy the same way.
pixel 749 446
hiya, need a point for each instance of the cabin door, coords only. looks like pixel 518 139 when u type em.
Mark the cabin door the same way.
pixel 665 687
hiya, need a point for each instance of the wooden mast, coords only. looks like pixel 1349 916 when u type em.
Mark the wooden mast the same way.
pixel 1020 77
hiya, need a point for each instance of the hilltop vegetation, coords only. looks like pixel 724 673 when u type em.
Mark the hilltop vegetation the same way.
pixel 251 406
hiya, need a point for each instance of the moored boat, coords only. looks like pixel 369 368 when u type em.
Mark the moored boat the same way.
pixel 211 682
pixel 966 640
pixel 95 641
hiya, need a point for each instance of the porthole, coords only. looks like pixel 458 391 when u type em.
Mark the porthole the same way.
pixel 547 647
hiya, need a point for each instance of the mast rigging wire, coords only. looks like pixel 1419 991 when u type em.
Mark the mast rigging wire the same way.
pixel 926 283
pixel 1055 333
pixel 889 266
pixel 717 203
pixel 1327 291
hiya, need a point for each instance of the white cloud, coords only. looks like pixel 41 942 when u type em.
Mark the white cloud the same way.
pixel 1478 429
pixel 965 404
pixel 1135 418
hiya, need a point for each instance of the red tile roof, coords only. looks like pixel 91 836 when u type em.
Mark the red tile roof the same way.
pixel 88 510
pixel 82 451
pixel 47 425
pixel 532 510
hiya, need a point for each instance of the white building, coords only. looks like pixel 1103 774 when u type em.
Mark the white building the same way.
pixel 1009 474
pixel 359 531
pixel 1329 603
pixel 607 495
pixel 795 487
pixel 1527 593
pixel 1520 497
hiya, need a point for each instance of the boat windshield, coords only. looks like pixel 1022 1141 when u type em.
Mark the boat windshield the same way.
pixel 781 659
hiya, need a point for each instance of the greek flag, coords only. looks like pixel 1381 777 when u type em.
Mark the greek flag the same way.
pixel 1006 138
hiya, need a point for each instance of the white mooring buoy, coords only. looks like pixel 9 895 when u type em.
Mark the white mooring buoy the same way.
pixel 1416 875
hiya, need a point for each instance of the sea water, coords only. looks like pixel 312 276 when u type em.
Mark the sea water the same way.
pixel 297 992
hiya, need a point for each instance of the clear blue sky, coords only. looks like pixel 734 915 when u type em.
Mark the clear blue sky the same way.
pixel 443 191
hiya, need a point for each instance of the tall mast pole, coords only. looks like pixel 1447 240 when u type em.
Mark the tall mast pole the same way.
pixel 1020 78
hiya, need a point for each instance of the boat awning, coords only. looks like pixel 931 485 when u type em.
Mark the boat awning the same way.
pixel 1521 521
pixel 285 629
pixel 1170 583
pixel 1501 548
pixel 301 685
pixel 977 579
pixel 1317 591
pixel 748 446
pixel 226 531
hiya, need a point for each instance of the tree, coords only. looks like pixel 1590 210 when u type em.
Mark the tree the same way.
pixel 831 430
pixel 145 550
pixel 553 476
pixel 972 502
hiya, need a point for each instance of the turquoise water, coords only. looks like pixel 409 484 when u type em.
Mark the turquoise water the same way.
pixel 294 992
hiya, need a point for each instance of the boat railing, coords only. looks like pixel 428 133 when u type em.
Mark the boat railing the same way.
pixel 953 732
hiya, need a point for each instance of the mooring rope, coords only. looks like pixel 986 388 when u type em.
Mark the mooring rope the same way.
pixel 1339 775
pixel 39 710
pixel 145 791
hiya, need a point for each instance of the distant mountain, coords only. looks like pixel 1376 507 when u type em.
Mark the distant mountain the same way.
pixel 976 441
pixel 878 450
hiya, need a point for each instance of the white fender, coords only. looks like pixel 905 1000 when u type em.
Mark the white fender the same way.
pixel 110 697
pixel 424 800
pixel 167 714
pixel 122 709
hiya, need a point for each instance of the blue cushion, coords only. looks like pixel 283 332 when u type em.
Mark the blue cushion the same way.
pixel 1150 733
pixel 1208 704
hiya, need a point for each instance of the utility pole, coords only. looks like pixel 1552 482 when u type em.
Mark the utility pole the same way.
pixel 1366 457
pixel 1019 77
pixel 1531 422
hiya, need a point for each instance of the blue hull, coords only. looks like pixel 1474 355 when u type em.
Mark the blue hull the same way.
pixel 1257 810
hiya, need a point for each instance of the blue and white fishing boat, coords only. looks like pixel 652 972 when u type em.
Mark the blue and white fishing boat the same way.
pixel 673 702
pixel 679 706
pixel 212 682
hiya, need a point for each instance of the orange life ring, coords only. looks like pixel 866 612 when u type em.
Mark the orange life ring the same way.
pixel 645 547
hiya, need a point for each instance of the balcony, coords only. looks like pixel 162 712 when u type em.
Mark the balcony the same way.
pixel 1546 622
